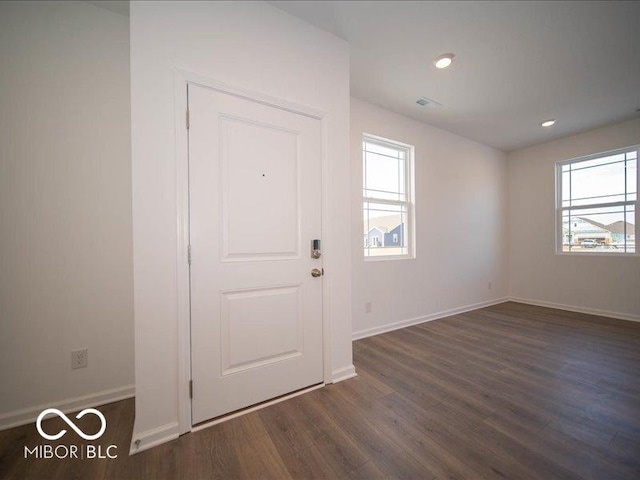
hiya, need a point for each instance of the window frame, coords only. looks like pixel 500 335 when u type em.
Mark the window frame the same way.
pixel 559 209
pixel 409 203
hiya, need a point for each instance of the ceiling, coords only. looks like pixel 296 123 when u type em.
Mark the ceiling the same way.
pixel 116 6
pixel 517 63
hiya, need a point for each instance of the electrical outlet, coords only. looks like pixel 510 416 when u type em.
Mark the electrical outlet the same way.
pixel 367 307
pixel 79 358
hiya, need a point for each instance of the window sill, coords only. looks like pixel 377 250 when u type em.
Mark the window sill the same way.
pixel 597 254
pixel 388 257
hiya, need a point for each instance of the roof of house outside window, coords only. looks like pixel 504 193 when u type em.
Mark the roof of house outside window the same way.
pixel 615 227
pixel 388 222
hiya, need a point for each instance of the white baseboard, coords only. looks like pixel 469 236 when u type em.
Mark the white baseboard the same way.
pixel 574 308
pixel 369 332
pixel 145 440
pixel 30 414
pixel 343 374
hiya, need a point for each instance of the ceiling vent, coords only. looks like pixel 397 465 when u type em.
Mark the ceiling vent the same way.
pixel 427 102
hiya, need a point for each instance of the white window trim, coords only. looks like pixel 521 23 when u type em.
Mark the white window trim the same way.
pixel 410 195
pixel 559 208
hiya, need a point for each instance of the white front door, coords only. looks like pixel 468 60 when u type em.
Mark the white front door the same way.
pixel 255 207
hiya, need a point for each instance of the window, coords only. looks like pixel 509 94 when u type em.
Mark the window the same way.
pixel 597 203
pixel 387 171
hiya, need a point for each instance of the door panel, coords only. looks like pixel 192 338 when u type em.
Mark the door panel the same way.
pixel 248 317
pixel 255 206
pixel 260 190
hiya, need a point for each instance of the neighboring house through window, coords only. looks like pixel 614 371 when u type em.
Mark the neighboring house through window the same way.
pixel 388 205
pixel 597 203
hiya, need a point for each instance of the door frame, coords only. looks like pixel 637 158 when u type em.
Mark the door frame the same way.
pixel 183 78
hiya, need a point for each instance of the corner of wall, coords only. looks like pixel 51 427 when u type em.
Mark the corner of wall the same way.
pixel 344 373
pixel 145 440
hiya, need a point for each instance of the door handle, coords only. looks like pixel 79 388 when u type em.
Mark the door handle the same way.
pixel 316 272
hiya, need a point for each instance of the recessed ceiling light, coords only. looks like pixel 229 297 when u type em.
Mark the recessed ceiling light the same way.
pixel 443 61
pixel 548 123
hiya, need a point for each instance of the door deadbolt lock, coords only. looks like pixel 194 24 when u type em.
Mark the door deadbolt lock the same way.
pixel 316 272
pixel 316 251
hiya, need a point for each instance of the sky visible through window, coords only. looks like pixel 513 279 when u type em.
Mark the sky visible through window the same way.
pixel 384 172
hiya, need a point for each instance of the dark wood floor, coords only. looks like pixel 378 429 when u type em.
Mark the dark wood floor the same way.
pixel 510 392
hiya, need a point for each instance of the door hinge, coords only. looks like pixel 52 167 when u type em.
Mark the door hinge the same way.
pixel 190 388
pixel 188 120
pixel 189 254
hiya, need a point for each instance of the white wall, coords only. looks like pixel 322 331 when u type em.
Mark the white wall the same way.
pixel 254 46
pixel 65 207
pixel 461 230
pixel 603 283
